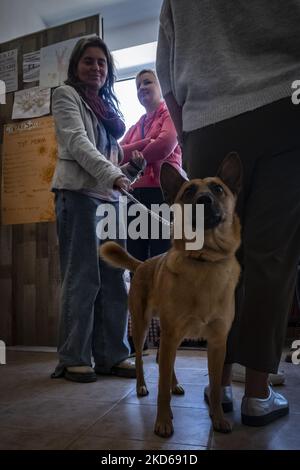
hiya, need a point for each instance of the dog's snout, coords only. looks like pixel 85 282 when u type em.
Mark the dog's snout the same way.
pixel 212 211
pixel 205 199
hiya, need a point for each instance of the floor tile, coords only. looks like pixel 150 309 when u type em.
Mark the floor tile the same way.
pixel 20 439
pixel 184 375
pixel 99 443
pixel 105 389
pixel 65 416
pixel 192 398
pixel 192 426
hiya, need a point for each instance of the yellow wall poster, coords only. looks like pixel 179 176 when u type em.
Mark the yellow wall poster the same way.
pixel 29 157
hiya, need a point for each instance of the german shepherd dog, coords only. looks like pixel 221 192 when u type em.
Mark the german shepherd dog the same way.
pixel 191 291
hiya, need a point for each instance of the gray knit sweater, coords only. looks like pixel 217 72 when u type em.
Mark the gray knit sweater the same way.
pixel 221 58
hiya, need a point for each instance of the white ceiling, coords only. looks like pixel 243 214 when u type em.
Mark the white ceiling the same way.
pixel 52 10
pixel 116 12
pixel 27 16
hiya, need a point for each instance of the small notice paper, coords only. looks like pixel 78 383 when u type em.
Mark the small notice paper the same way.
pixel 32 102
pixel 9 69
pixel 31 66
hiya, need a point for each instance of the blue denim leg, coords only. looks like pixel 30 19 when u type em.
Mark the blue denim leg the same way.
pixel 82 285
pixel 110 344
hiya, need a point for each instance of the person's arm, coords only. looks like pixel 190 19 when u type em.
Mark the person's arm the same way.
pixel 128 146
pixel 164 60
pixel 72 136
pixel 164 144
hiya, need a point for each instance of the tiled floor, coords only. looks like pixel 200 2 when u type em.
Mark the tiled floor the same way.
pixel 37 412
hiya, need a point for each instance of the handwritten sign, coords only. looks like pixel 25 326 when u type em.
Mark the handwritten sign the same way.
pixel 29 157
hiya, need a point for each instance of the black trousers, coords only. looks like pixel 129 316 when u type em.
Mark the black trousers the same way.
pixel 143 249
pixel 268 142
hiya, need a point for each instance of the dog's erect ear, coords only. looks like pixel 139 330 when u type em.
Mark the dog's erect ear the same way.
pixel 231 172
pixel 170 181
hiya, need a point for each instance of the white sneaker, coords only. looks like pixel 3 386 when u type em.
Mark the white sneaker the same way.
pixel 261 411
pixel 239 375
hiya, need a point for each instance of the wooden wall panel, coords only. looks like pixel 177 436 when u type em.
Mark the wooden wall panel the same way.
pixel 29 264
pixel 6 309
pixel 6 284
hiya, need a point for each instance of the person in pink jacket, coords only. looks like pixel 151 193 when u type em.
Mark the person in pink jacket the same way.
pixel 154 135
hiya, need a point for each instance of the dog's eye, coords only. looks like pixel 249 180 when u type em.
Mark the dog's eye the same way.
pixel 190 191
pixel 216 188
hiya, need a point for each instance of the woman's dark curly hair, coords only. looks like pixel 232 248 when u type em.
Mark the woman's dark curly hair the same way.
pixel 107 91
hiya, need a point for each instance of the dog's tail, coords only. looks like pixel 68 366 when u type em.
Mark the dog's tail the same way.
pixel 117 256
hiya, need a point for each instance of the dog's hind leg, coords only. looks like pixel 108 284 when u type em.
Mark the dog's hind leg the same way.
pixel 140 326
pixel 177 389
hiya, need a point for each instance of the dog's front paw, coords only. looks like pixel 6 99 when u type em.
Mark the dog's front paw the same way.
pixel 164 428
pixel 221 424
pixel 142 391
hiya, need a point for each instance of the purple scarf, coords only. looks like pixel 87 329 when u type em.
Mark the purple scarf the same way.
pixel 104 112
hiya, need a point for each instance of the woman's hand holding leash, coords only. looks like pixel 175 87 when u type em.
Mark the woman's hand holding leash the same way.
pixel 122 183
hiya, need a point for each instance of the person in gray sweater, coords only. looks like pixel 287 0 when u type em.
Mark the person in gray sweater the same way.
pixel 226 71
pixel 86 181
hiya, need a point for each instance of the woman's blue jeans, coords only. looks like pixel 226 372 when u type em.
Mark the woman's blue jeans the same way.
pixel 94 311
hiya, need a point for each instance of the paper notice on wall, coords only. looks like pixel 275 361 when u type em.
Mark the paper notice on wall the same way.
pixel 32 102
pixel 29 157
pixel 55 62
pixel 9 69
pixel 31 67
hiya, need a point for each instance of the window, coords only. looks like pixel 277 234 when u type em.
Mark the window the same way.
pixel 130 106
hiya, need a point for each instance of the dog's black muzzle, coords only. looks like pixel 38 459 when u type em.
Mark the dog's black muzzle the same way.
pixel 212 211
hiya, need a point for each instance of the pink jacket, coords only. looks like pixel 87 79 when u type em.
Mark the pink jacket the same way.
pixel 159 127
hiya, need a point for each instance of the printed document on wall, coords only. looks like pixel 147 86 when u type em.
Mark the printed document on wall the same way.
pixel 31 67
pixel 9 69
